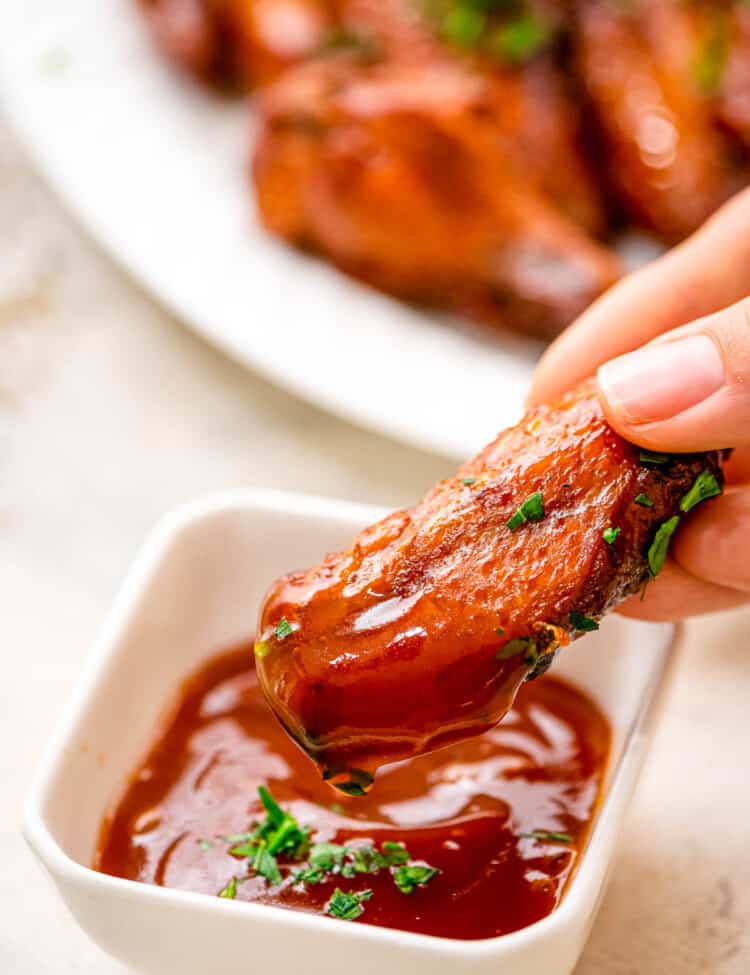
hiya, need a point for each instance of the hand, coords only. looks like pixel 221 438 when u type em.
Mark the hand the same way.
pixel 671 344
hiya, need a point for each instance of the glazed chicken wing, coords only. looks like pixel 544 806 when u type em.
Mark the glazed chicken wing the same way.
pixel 431 182
pixel 421 633
pixel 645 66
pixel 239 43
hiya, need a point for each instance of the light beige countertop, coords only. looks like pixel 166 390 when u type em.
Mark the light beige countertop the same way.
pixel 111 413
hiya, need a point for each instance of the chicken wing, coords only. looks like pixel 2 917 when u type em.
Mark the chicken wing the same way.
pixel 239 43
pixel 421 633
pixel 430 182
pixel 643 65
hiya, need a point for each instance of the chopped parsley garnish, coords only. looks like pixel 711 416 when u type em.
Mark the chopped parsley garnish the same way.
pixel 280 835
pixel 610 535
pixel 326 856
pixel 705 486
pixel 531 510
pixel 230 891
pixel 463 24
pixel 644 500
pixel 347 905
pixel 357 785
pixel 500 630
pixel 408 877
pixel 324 859
pixel 265 865
pixel 582 623
pixel 395 853
pixel 468 481
pixel 520 39
pixel 283 629
pixel 504 29
pixel 652 458
pixel 547 836
pixel 348 861
pixel 205 844
pixel 657 553
pixel 519 645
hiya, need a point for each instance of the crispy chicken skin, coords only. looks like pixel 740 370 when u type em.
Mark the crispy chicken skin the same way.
pixel 421 633
pixel 642 64
pixel 427 181
pixel 239 43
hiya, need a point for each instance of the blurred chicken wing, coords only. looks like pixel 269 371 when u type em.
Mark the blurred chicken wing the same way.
pixel 239 43
pixel 429 182
pixel 644 66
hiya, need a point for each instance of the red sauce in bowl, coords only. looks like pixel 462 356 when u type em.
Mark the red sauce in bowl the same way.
pixel 462 809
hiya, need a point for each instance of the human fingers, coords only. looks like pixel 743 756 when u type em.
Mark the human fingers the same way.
pixel 689 390
pixel 708 272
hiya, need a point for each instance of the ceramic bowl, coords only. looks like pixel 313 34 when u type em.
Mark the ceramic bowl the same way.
pixel 195 590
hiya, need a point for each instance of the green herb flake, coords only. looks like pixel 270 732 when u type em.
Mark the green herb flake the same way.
pixel 310 875
pixel 644 500
pixel 519 40
pixel 205 845
pixel 531 510
pixel 347 905
pixel 357 785
pixel 547 836
pixel 365 859
pixel 582 623
pixel 706 486
pixel 463 24
pixel 652 458
pixel 500 630
pixel 275 813
pixel 283 629
pixel 408 877
pixel 468 481
pixel 610 535
pixel 657 553
pixel 327 856
pixel 230 891
pixel 265 865
pixel 278 834
pixel 394 853
pixel 514 648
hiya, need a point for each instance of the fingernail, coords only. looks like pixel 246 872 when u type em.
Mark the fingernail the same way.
pixel 659 381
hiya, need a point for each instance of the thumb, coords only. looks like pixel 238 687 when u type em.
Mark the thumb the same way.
pixel 687 391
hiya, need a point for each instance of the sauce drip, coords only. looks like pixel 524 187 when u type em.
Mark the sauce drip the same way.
pixel 462 809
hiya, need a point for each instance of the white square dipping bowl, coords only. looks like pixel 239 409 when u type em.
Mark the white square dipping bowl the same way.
pixel 194 590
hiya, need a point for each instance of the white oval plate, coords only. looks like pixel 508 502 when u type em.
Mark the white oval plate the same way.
pixel 156 170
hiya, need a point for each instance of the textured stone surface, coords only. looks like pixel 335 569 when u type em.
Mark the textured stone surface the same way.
pixel 111 413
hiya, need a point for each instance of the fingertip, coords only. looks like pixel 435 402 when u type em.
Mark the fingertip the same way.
pixel 678 595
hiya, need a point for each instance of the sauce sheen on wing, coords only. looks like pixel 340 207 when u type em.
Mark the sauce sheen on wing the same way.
pixel 421 633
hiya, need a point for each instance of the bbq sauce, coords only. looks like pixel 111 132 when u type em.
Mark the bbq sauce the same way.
pixel 503 816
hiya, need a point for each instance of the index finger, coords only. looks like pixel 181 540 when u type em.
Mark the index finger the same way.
pixel 708 272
